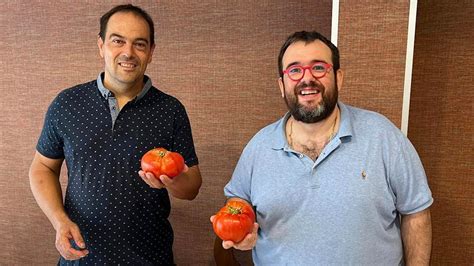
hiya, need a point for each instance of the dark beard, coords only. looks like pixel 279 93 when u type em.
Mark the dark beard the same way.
pixel 317 114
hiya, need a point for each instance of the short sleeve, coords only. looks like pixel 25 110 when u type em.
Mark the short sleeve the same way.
pixel 240 183
pixel 408 181
pixel 50 143
pixel 182 136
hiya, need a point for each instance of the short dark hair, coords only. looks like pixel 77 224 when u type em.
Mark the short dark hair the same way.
pixel 104 20
pixel 308 37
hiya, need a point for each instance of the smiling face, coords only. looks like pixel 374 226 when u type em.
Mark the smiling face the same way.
pixel 126 50
pixel 310 99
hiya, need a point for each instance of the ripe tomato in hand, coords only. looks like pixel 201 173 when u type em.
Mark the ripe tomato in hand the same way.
pixel 234 221
pixel 160 161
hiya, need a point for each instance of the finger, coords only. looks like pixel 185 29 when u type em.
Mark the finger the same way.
pixel 255 228
pixel 246 242
pixel 251 236
pixel 77 254
pixel 63 245
pixel 226 244
pixel 249 241
pixel 67 251
pixel 152 181
pixel 185 169
pixel 142 174
pixel 148 182
pixel 149 175
pixel 166 180
pixel 77 237
pixel 212 218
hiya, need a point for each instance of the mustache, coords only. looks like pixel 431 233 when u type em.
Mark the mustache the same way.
pixel 311 85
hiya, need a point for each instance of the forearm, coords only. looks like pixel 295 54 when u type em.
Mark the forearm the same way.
pixel 223 256
pixel 187 184
pixel 46 188
pixel 416 236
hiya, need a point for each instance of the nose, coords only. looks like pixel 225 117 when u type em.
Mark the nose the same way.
pixel 309 76
pixel 128 50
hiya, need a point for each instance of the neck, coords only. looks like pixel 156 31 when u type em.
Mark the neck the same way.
pixel 319 131
pixel 311 138
pixel 123 92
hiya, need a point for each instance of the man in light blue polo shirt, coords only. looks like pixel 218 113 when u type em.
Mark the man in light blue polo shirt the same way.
pixel 331 184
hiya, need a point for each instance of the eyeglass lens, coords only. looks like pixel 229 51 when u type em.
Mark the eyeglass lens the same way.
pixel 318 70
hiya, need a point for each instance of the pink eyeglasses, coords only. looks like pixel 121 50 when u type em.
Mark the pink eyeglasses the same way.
pixel 318 70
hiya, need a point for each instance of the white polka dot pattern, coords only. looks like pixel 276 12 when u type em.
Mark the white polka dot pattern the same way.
pixel 123 220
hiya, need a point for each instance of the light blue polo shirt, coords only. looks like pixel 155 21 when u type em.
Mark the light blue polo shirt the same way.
pixel 343 209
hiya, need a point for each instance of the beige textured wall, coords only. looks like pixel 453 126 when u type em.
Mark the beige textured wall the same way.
pixel 442 125
pixel 218 57
pixel 372 40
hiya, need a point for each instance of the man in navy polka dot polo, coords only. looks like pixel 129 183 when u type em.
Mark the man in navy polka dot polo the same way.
pixel 114 213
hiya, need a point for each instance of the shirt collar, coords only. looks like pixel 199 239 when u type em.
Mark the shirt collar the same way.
pixel 107 93
pixel 346 124
pixel 279 139
pixel 345 128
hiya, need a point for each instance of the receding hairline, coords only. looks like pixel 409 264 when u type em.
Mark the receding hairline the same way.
pixel 123 12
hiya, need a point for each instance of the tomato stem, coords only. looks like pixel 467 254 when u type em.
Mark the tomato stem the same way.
pixel 233 210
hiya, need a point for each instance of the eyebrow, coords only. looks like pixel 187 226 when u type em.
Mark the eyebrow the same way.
pixel 312 62
pixel 122 37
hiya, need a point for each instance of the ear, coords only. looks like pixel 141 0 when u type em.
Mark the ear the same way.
pixel 152 49
pixel 282 87
pixel 340 79
pixel 100 44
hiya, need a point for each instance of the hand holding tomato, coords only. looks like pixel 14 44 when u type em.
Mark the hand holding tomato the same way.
pixel 235 221
pixel 160 161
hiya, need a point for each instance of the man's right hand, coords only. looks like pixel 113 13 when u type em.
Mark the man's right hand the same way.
pixel 247 243
pixel 65 234
pixel 44 182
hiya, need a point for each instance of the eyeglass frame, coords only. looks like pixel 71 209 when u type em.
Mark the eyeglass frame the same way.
pixel 328 67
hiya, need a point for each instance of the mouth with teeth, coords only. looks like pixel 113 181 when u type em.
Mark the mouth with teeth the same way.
pixel 308 92
pixel 129 66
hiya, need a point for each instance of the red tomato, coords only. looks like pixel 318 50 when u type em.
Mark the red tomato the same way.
pixel 234 221
pixel 160 161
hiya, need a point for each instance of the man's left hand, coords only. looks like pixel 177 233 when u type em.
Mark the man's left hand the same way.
pixel 162 181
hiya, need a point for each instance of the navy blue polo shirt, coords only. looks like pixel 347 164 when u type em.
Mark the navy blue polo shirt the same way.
pixel 122 219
